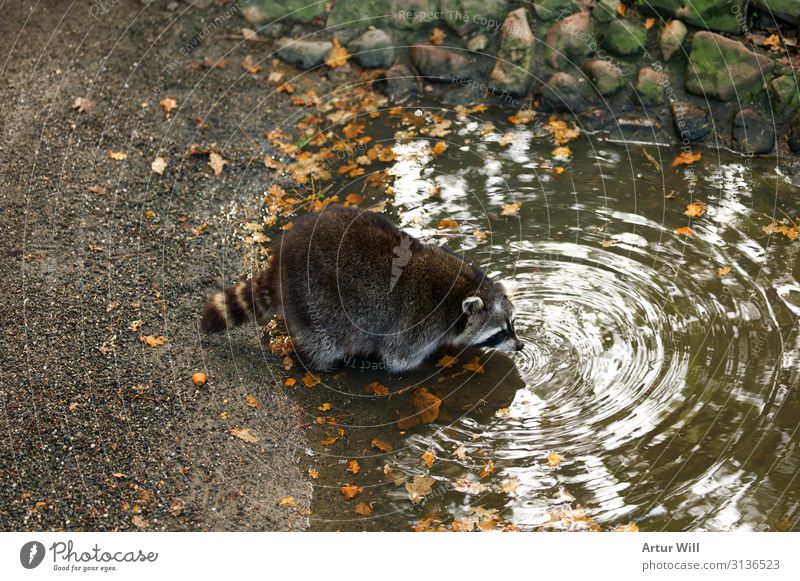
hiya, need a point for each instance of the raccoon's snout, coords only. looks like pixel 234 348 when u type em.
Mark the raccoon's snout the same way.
pixel 519 345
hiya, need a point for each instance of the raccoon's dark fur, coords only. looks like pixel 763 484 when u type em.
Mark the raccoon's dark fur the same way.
pixel 349 283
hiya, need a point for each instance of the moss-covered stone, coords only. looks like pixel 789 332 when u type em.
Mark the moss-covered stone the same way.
pixel 752 133
pixel 788 10
pixel 650 86
pixel 606 77
pixel 605 11
pixel 359 15
pixel 724 68
pixel 293 10
pixel 718 15
pixel 671 39
pixel 466 16
pixel 625 38
pixel 785 96
pixel 570 39
pixel 409 13
pixel 512 69
pixel 552 9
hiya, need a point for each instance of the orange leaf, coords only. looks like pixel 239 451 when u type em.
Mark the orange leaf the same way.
pixel 488 469
pixel 428 457
pixel 290 381
pixel 437 36
pixel 381 445
pixel 474 365
pixel 152 341
pixel 353 466
pixel 311 380
pixel 350 491
pixel 377 388
pixel 338 55
pixel 446 361
pixel 199 378
pixel 685 231
pixel 553 459
pixel 687 158
pixel 649 23
pixel 695 210
pixel 447 224
pixel 363 509
pixel 325 407
pixel 313 473
pixel 252 402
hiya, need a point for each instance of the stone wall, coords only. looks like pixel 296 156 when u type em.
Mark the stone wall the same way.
pixel 691 71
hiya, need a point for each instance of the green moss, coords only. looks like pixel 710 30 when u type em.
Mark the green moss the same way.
pixel 785 96
pixel 292 10
pixel 625 38
pixel 552 9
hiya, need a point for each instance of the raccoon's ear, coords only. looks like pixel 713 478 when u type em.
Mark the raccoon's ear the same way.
pixel 472 305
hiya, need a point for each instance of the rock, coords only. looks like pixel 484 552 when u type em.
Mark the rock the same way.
pixel 691 123
pixel 466 16
pixel 563 92
pixel 305 54
pixel 672 37
pixel 257 11
pixel 399 83
pixel 552 9
pixel 751 133
pixel 785 96
pixel 788 10
pixel 349 18
pixel 595 119
pixel 794 135
pixel 720 15
pixel 441 63
pixel 605 11
pixel 624 38
pixel 650 86
pixel 478 43
pixel 373 49
pixel 512 69
pixel 570 38
pixel 606 76
pixel 724 68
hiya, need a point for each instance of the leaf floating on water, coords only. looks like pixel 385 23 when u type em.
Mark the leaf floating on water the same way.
pixel 350 491
pixel 447 224
pixel 437 36
pixel 481 234
pixel 381 445
pixel 608 243
pixel 789 231
pixel 474 365
pixel 429 458
pixel 311 380
pixel 419 487
pixel 502 413
pixel 687 158
pixel 446 361
pixel 553 459
pixel 723 271
pixel 377 388
pixel 561 132
pixel 685 231
pixel 488 470
pixel 562 152
pixel 510 486
pixel 511 209
pixel 628 528
pixel 244 434
pixel 523 116
pixel 338 55
pixel 363 509
pixel 216 163
pixel 460 452
pixel 353 467
pixel 152 341
pixel 695 210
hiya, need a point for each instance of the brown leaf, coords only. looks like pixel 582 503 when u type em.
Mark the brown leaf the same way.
pixel 628 528
pixel 377 388
pixel 152 341
pixel 249 65
pixel 216 163
pixel 437 36
pixel 139 521
pixel 419 487
pixel 447 361
pixel 311 380
pixel 244 434
pixel 353 466
pixel 199 378
pixel 381 445
pixel 363 509
pixel 338 55
pixel 82 105
pixel 685 231
pixel 487 470
pixel 252 402
pixel 474 365
pixel 695 210
pixel 350 491
pixel 118 155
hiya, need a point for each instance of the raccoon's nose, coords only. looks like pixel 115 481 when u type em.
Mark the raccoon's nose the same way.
pixel 519 345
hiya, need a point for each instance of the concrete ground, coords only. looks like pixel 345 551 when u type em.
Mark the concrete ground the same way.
pixel 99 431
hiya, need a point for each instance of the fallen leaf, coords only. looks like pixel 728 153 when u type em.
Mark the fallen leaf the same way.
pixel 353 466
pixel 354 199
pixel 510 486
pixel 249 65
pixel 381 445
pixel 419 487
pixel 350 491
pixel 687 158
pixel 559 170
pixel 511 209
pixel 168 104
pixel 685 231
pixel 524 116
pixel 325 407
pixel 82 105
pixel 338 55
pixel 199 378
pixel 608 243
pixel 363 509
pixel 158 165
pixel 244 434
pixel 290 381
pixel 117 155
pixel 216 163
pixel 628 528
pixel 562 152
pixel 621 9
pixel 437 36
pixel 773 42
pixel 287 501
pixel 97 189
pixel 447 224
pixel 377 388
pixel 439 148
pixel 311 380
pixel 649 23
pixel 474 365
pixel 723 271
pixel 429 458
pixel 139 521
pixel 789 231
pixel 460 452
pixel 152 341
pixel 481 234
pixel 447 361
pixel 275 76
pixel 313 473
pixel 553 459
pixel 426 405
pixel 695 210
pixel 487 470
pixel 252 402
pixel 249 34
pixel 561 132
pixel 136 325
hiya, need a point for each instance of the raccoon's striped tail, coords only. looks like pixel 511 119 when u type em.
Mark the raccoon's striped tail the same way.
pixel 237 304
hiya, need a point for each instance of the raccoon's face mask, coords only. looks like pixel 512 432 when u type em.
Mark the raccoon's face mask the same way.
pixel 490 325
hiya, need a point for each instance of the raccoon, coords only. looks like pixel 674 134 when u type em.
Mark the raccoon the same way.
pixel 350 284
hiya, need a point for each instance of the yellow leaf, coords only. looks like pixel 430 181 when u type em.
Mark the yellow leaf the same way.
pixel 428 457
pixel 287 501
pixel 561 132
pixel 649 23
pixel 377 388
pixel 168 104
pixel 447 224
pixel 481 234
pixel 353 466
pixel 244 434
pixel 446 361
pixel 563 152
pixel 621 9
pixel 789 231
pixel 252 402
pixel 152 341
pixel 381 445
pixel 363 509
pixel 773 42
pixel 523 116
pixel 437 36
pixel 553 459
pixel 558 170
pixel 350 491
pixel 439 148
pixel 311 380
pixel 216 163
pixel 511 209
pixel 325 407
pixel 685 231
pixel 117 155
pixel 695 210
pixel 290 381
pixel 687 158
pixel 338 55
pixel 474 365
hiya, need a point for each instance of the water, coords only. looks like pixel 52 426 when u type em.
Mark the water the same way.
pixel 668 388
